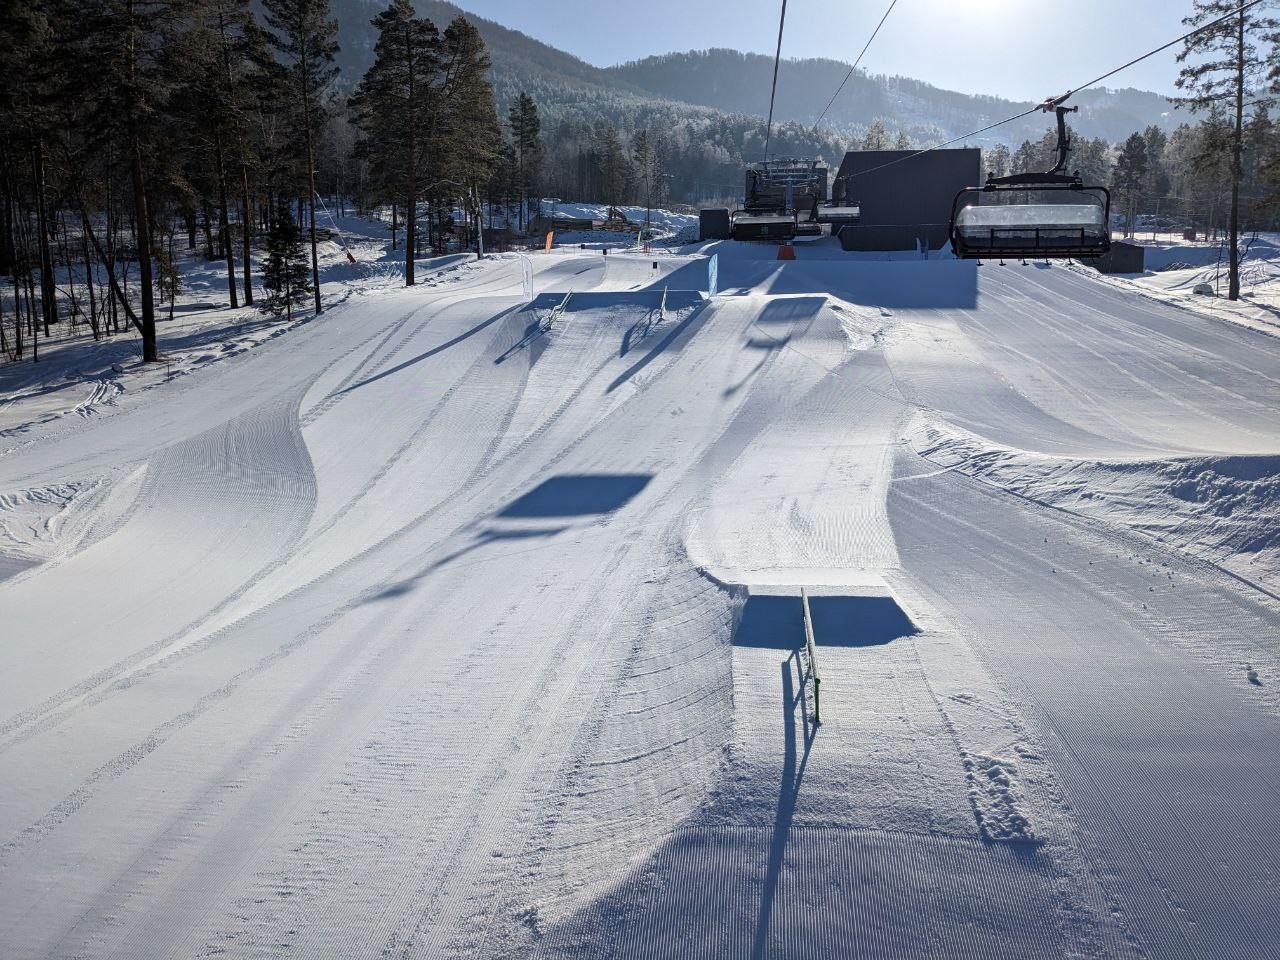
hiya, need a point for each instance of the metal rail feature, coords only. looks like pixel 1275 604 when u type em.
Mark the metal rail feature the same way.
pixel 557 311
pixel 813 656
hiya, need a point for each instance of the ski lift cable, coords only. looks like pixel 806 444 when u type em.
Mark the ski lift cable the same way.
pixel 822 115
pixel 1054 101
pixel 777 56
pixel 336 232
pixel 1239 11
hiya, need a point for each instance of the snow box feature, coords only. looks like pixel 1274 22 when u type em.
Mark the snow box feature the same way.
pixel 770 620
pixel 578 494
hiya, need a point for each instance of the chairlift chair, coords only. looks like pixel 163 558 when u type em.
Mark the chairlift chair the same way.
pixel 776 192
pixel 1050 215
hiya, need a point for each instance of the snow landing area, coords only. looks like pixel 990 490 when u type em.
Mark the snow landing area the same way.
pixel 452 623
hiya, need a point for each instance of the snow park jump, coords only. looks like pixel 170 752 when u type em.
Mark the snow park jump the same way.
pixel 875 555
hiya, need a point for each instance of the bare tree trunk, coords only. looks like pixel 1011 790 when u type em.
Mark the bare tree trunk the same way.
pixel 206 224
pixel 88 276
pixel 224 222
pixel 64 248
pixel 17 315
pixel 246 240
pixel 119 294
pixel 411 193
pixel 48 294
pixel 148 325
pixel 1233 263
pixel 308 122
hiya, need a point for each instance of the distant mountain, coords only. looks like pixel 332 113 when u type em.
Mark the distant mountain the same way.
pixel 739 83
pixel 735 83
pixel 707 108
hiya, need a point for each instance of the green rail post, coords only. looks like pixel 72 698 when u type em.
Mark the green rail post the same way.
pixel 813 655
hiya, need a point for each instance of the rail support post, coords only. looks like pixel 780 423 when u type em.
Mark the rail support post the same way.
pixel 813 655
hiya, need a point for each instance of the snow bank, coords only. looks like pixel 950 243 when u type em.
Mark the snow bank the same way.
pixel 660 219
pixel 1222 509
pixel 1174 272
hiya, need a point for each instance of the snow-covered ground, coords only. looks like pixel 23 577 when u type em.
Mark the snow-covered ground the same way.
pixel 1194 276
pixel 451 625
pixel 663 220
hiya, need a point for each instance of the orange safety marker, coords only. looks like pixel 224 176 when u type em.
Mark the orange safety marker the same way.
pixel 786 252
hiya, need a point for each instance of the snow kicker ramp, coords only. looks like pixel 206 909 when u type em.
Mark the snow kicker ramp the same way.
pixel 447 627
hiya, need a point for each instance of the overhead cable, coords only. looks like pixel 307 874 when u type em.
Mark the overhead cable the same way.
pixel 893 4
pixel 1239 11
pixel 777 57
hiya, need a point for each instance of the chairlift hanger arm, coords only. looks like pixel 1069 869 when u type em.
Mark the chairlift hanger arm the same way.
pixel 1064 140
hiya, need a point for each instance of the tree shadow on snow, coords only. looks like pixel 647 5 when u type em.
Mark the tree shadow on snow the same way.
pixel 689 324
pixel 482 539
pixel 465 335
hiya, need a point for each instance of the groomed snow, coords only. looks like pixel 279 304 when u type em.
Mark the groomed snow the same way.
pixel 451 625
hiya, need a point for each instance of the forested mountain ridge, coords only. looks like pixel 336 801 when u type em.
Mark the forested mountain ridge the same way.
pixel 735 83
pixel 738 82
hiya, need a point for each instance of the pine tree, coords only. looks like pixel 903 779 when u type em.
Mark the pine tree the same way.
pixel 644 164
pixel 25 36
pixel 284 275
pixel 615 169
pixel 998 160
pixel 303 34
pixel 119 72
pixel 1225 63
pixel 1131 177
pixel 877 137
pixel 215 65
pixel 528 149
pixel 472 135
pixel 1156 187
pixel 1260 144
pixel 398 107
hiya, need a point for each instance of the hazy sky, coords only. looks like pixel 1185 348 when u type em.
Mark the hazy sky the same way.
pixel 1022 49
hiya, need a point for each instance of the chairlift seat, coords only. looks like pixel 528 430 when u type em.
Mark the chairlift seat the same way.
pixel 1034 230
pixel 1022 225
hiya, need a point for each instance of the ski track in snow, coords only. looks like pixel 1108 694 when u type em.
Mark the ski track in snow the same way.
pixel 431 629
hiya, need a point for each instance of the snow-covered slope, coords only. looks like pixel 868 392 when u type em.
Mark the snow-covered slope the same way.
pixel 454 625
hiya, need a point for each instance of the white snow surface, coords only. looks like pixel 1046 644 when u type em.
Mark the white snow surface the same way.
pixel 448 625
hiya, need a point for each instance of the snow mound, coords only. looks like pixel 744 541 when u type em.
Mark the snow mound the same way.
pixel 999 802
pixel 1224 509
pixel 33 522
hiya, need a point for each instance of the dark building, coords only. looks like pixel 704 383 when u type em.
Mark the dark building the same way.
pixel 714 224
pixel 904 196
pixel 1121 258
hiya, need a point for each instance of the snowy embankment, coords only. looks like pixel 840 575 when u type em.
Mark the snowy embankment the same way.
pixel 1193 275
pixel 1223 509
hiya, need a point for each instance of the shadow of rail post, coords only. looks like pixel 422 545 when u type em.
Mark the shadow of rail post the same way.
pixel 813 655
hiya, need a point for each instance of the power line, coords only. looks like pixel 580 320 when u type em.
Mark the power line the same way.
pixel 777 56
pixel 893 4
pixel 1239 11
